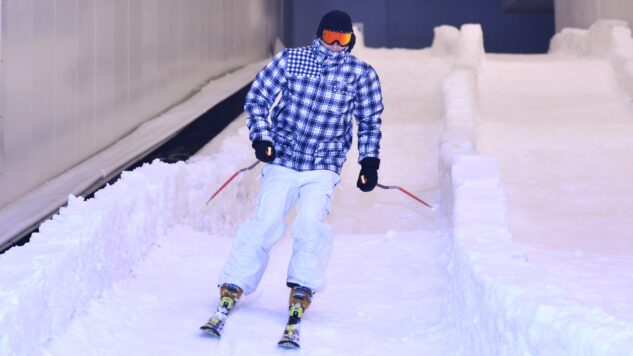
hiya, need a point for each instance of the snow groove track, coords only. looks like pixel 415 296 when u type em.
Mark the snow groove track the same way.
pixel 561 128
pixel 387 279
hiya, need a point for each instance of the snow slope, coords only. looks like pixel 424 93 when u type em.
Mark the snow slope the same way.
pixel 554 278
pixel 565 175
pixel 387 276
pixel 527 255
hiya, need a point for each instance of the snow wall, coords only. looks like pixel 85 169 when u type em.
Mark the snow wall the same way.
pixel 500 302
pixel 609 39
pixel 91 244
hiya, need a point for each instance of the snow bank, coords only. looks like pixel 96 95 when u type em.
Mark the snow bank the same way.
pixel 445 40
pixel 609 39
pixel 470 47
pixel 458 136
pixel 91 244
pixel 465 44
pixel 500 302
pixel 460 102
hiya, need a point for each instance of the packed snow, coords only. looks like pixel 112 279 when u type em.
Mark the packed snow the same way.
pixel 534 269
pixel 525 156
pixel 147 251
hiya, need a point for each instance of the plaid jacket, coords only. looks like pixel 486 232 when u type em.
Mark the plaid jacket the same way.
pixel 311 126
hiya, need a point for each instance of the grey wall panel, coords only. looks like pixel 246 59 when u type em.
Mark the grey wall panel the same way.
pixel 77 75
pixel 86 80
pixel 2 103
pixel 19 88
pixel 618 9
pixel 43 114
pixel 65 91
pixel 575 13
pixel 583 13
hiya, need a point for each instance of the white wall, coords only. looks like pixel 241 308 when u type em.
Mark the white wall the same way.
pixel 583 13
pixel 77 76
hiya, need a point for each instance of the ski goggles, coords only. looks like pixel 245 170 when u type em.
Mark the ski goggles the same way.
pixel 343 38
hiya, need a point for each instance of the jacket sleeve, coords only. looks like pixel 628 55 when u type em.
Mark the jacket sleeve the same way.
pixel 268 83
pixel 367 111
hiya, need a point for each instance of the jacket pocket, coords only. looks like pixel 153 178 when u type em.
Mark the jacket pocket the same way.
pixel 284 144
pixel 339 98
pixel 330 152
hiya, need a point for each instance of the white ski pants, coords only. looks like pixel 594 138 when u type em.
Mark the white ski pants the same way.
pixel 281 188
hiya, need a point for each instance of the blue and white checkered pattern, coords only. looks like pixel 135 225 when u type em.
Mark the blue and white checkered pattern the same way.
pixel 311 126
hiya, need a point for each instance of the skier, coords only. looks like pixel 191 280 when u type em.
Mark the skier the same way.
pixel 305 145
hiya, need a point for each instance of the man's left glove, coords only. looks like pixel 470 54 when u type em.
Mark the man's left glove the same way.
pixel 264 151
pixel 368 176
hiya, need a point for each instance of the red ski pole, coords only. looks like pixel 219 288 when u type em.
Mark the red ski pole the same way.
pixel 230 179
pixel 405 192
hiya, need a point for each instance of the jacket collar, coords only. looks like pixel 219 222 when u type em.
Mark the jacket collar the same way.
pixel 322 54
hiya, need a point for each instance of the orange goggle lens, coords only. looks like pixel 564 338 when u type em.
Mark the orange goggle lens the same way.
pixel 330 37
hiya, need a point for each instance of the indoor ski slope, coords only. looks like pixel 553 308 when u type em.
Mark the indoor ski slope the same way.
pixel 387 279
pixel 525 157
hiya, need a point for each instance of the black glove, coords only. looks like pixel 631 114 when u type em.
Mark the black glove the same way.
pixel 368 176
pixel 264 151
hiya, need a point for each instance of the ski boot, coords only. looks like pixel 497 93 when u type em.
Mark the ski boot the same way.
pixel 300 299
pixel 229 295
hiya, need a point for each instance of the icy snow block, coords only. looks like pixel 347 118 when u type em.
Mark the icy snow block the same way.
pixel 627 69
pixel 460 99
pixel 445 40
pixel 478 197
pixel 455 142
pixel 601 37
pixel 622 43
pixel 475 170
pixel 605 39
pixel 470 47
pixel 483 206
pixel 459 137
pixel 570 41
pixel 624 74
pixel 77 255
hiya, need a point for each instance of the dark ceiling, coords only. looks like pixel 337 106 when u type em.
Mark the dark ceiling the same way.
pixel 528 6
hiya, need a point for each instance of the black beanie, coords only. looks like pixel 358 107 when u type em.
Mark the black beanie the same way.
pixel 337 21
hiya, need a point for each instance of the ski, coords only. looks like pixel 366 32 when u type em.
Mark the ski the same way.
pixel 215 324
pixel 300 299
pixel 229 293
pixel 290 337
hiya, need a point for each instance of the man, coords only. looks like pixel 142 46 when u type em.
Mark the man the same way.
pixel 305 145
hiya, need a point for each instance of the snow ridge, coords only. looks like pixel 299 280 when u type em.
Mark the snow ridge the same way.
pixel 502 304
pixel 91 244
pixel 604 39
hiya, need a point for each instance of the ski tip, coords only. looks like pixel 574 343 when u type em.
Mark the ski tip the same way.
pixel 210 331
pixel 288 345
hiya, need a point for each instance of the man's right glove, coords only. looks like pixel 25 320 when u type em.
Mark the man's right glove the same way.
pixel 368 176
pixel 264 151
